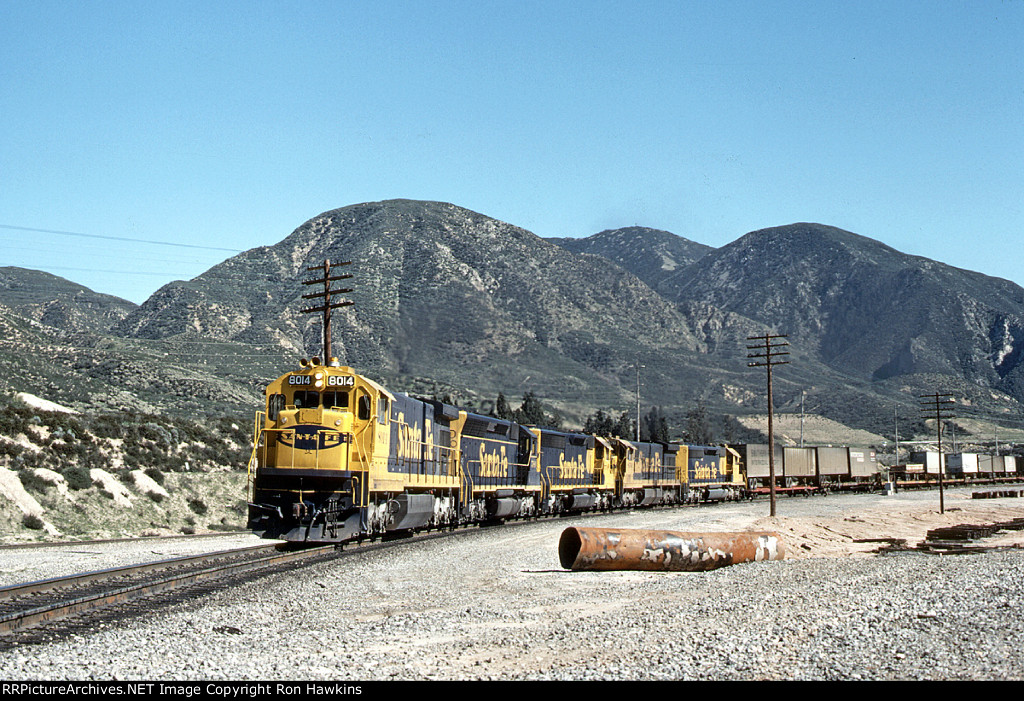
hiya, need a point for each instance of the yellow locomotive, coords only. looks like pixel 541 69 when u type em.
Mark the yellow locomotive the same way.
pixel 336 456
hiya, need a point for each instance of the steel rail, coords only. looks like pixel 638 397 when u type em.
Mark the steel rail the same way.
pixel 34 615
pixel 47 585
pixel 105 541
pixel 29 615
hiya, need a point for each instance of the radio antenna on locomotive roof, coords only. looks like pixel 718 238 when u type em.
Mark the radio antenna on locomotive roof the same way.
pixel 326 295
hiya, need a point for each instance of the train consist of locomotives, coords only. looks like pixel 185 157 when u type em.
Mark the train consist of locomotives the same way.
pixel 337 457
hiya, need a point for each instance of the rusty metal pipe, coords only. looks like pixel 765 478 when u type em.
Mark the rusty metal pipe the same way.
pixel 626 549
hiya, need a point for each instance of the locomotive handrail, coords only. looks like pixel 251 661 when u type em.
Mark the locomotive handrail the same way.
pixel 364 453
pixel 253 456
pixel 257 433
pixel 465 484
pixel 285 430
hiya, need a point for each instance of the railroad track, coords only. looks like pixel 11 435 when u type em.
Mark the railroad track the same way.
pixel 47 609
pixel 27 607
pixel 135 539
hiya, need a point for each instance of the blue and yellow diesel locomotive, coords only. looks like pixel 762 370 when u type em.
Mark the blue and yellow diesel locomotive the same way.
pixel 336 457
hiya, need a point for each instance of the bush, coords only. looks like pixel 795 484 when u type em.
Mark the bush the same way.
pixel 32 482
pixel 156 433
pixel 13 420
pixel 198 506
pixel 108 426
pixel 32 521
pixel 78 478
pixel 11 449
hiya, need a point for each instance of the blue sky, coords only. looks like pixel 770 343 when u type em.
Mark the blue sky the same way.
pixel 228 124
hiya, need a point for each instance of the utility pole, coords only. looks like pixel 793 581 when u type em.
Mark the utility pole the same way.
pixel 638 366
pixel 938 405
pixel 896 421
pixel 803 393
pixel 327 305
pixel 766 354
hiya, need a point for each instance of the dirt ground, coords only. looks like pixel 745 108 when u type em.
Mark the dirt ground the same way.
pixel 901 517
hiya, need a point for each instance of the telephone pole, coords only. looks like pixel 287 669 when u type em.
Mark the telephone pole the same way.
pixel 327 304
pixel 766 354
pixel 896 423
pixel 638 366
pixel 803 394
pixel 938 406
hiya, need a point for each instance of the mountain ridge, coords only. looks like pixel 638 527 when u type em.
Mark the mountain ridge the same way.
pixel 651 254
pixel 450 300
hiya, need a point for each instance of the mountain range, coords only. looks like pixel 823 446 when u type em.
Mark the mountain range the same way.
pixel 450 301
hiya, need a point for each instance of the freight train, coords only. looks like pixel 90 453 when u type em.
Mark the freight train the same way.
pixel 823 469
pixel 958 468
pixel 338 457
pixel 811 469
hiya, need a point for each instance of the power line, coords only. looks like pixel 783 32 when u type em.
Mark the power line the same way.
pixel 117 238
pixel 113 272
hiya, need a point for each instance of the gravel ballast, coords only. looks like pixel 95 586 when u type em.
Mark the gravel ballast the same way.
pixel 22 564
pixel 496 604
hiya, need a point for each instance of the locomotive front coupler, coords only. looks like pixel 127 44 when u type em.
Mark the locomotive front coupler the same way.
pixel 301 509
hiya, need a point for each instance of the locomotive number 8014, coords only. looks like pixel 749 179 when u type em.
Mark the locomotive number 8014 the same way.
pixel 337 457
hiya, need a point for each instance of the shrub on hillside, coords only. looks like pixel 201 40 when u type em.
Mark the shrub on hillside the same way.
pixel 13 420
pixel 32 521
pixel 10 449
pixel 32 482
pixel 77 478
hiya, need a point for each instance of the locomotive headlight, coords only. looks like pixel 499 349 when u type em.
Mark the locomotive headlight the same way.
pixel 319 384
pixel 337 422
pixel 318 375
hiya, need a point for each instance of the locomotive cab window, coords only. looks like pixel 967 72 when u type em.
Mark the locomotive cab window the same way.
pixel 306 399
pixel 382 409
pixel 336 400
pixel 364 406
pixel 275 403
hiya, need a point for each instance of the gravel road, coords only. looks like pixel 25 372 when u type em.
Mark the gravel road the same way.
pixel 496 604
